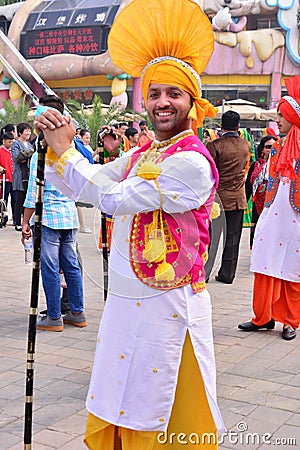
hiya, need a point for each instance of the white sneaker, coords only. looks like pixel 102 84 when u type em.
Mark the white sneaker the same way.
pixel 85 230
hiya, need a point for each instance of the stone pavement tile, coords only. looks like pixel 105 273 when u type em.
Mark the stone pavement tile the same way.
pixel 54 372
pixel 42 378
pixel 79 377
pixel 13 409
pixel 286 404
pixel 223 366
pixel 64 362
pixel 222 339
pixel 5 420
pixel 276 350
pixel 240 408
pixel 268 415
pixel 233 380
pixel 275 375
pixel 294 420
pixel 224 391
pixel 7 440
pixel 10 377
pixel 234 353
pixel 75 352
pixel 288 436
pixel 80 393
pixel 11 342
pixel 72 424
pixel 225 320
pixel 17 427
pixel 50 414
pixel 13 391
pixel 76 364
pixel 60 388
pixel 75 444
pixel 265 386
pixel 289 392
pixel 291 362
pixel 40 447
pixel 52 438
pixel 250 396
pixel 257 340
pixel 295 381
pixel 217 331
pixel 252 433
pixel 250 366
pixel 86 344
pixel 9 363
pixel 49 360
pixel 58 340
pixel 219 348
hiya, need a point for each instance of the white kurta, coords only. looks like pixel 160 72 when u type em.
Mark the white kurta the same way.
pixel 142 330
pixel 276 247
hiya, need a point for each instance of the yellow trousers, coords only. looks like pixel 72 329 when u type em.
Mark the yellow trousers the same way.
pixel 191 424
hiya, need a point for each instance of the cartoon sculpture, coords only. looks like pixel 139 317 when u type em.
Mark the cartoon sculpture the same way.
pixel 289 20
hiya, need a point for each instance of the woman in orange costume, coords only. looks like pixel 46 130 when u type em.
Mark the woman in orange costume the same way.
pixel 276 252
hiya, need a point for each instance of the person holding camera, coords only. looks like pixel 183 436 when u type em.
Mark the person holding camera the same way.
pixel 145 135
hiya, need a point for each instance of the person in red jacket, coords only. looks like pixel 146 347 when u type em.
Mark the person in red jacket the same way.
pixel 6 166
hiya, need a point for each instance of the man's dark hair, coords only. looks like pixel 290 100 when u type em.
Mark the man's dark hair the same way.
pixel 53 101
pixel 230 120
pixel 143 123
pixel 22 126
pixel 131 131
pixel 122 124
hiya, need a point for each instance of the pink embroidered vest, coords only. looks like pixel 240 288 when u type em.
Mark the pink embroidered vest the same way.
pixel 273 179
pixel 186 234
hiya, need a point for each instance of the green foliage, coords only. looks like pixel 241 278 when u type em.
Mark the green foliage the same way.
pixel 15 113
pixel 7 2
pixel 95 117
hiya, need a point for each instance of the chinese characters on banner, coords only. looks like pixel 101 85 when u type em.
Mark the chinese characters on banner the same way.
pixel 79 41
pixel 85 96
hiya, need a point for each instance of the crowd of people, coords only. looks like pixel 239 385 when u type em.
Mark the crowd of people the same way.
pixel 242 178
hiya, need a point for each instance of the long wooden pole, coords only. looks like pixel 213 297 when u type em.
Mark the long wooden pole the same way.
pixel 34 293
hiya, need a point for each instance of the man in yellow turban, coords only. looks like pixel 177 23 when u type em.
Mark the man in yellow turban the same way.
pixel 153 379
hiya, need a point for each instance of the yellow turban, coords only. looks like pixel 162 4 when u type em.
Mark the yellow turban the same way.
pixel 177 35
pixel 175 73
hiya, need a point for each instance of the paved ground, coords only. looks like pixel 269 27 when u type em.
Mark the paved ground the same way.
pixel 258 373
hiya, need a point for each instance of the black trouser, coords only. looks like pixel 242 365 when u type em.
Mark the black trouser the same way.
pixel 20 199
pixel 233 231
pixel 216 227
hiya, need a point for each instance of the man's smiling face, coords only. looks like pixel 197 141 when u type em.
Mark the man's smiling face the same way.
pixel 168 107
